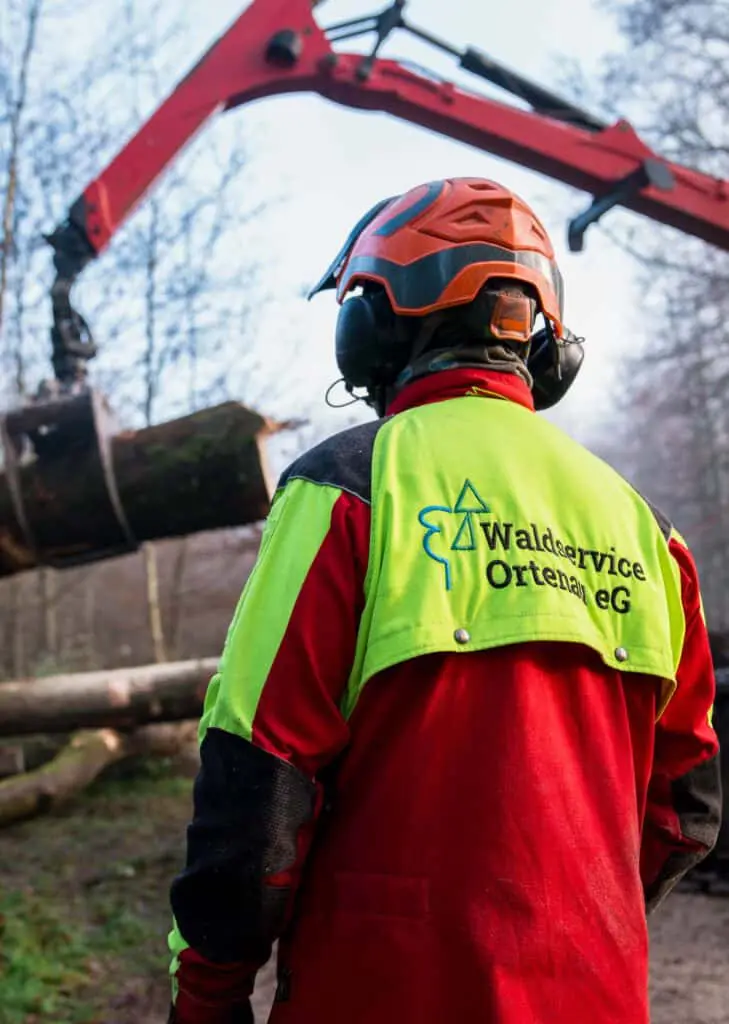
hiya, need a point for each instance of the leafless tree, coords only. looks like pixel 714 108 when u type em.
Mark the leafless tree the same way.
pixel 15 96
pixel 14 100
pixel 169 301
pixel 672 80
pixel 183 296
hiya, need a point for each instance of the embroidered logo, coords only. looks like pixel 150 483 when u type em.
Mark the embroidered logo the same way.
pixel 530 555
pixel 468 504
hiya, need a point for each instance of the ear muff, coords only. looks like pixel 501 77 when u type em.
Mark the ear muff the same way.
pixel 372 347
pixel 554 364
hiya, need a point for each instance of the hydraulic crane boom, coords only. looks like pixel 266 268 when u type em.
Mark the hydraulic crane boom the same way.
pixel 276 47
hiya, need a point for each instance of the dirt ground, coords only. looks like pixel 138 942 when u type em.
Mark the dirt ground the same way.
pixel 84 915
pixel 690 960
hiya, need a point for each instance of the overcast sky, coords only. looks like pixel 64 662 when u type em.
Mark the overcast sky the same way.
pixel 330 164
pixel 333 163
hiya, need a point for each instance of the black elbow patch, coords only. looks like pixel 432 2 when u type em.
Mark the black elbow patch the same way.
pixel 697 799
pixel 249 808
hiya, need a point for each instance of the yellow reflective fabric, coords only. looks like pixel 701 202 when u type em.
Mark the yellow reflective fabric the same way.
pixel 300 518
pixel 490 526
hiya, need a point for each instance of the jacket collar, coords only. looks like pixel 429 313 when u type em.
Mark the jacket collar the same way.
pixel 438 387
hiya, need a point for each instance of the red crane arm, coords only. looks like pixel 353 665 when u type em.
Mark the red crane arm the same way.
pixel 593 161
pixel 277 47
pixel 237 69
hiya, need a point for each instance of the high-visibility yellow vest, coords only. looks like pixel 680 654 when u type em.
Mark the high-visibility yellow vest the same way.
pixel 490 526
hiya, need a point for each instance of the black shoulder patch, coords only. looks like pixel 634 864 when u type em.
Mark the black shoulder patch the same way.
pixel 663 521
pixel 343 460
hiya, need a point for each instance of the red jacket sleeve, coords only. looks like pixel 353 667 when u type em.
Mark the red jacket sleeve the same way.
pixel 683 811
pixel 271 724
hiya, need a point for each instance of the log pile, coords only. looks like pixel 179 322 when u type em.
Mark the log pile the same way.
pixel 60 733
pixel 74 489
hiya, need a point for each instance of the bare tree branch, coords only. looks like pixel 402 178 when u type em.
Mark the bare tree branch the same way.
pixel 15 119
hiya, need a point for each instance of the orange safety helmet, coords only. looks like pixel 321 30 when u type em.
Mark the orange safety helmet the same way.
pixel 436 246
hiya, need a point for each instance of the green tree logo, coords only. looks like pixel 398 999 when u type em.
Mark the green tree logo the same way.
pixel 468 504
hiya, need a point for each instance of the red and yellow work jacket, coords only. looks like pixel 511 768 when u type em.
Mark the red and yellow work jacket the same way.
pixel 460 740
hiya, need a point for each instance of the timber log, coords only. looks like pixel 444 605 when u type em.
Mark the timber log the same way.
pixel 75 490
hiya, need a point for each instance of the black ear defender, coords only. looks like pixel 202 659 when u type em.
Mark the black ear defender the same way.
pixel 554 364
pixel 372 344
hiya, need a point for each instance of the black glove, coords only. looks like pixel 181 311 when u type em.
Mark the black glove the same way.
pixel 240 1014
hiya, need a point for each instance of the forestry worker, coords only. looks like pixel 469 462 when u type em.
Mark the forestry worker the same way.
pixel 460 741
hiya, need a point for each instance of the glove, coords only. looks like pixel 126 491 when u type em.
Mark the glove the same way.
pixel 199 1014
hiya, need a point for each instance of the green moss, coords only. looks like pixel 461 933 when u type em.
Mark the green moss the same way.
pixel 43 960
pixel 84 910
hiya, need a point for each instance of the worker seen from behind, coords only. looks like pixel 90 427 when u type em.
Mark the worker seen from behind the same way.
pixel 460 741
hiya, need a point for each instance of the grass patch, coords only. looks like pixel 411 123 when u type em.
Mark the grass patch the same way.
pixel 84 910
pixel 43 962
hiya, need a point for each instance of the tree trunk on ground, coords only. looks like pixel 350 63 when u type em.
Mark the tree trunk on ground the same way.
pixel 20 754
pixel 154 610
pixel 89 638
pixel 49 611
pixel 12 760
pixel 206 471
pixel 17 618
pixel 120 698
pixel 177 595
pixel 84 758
